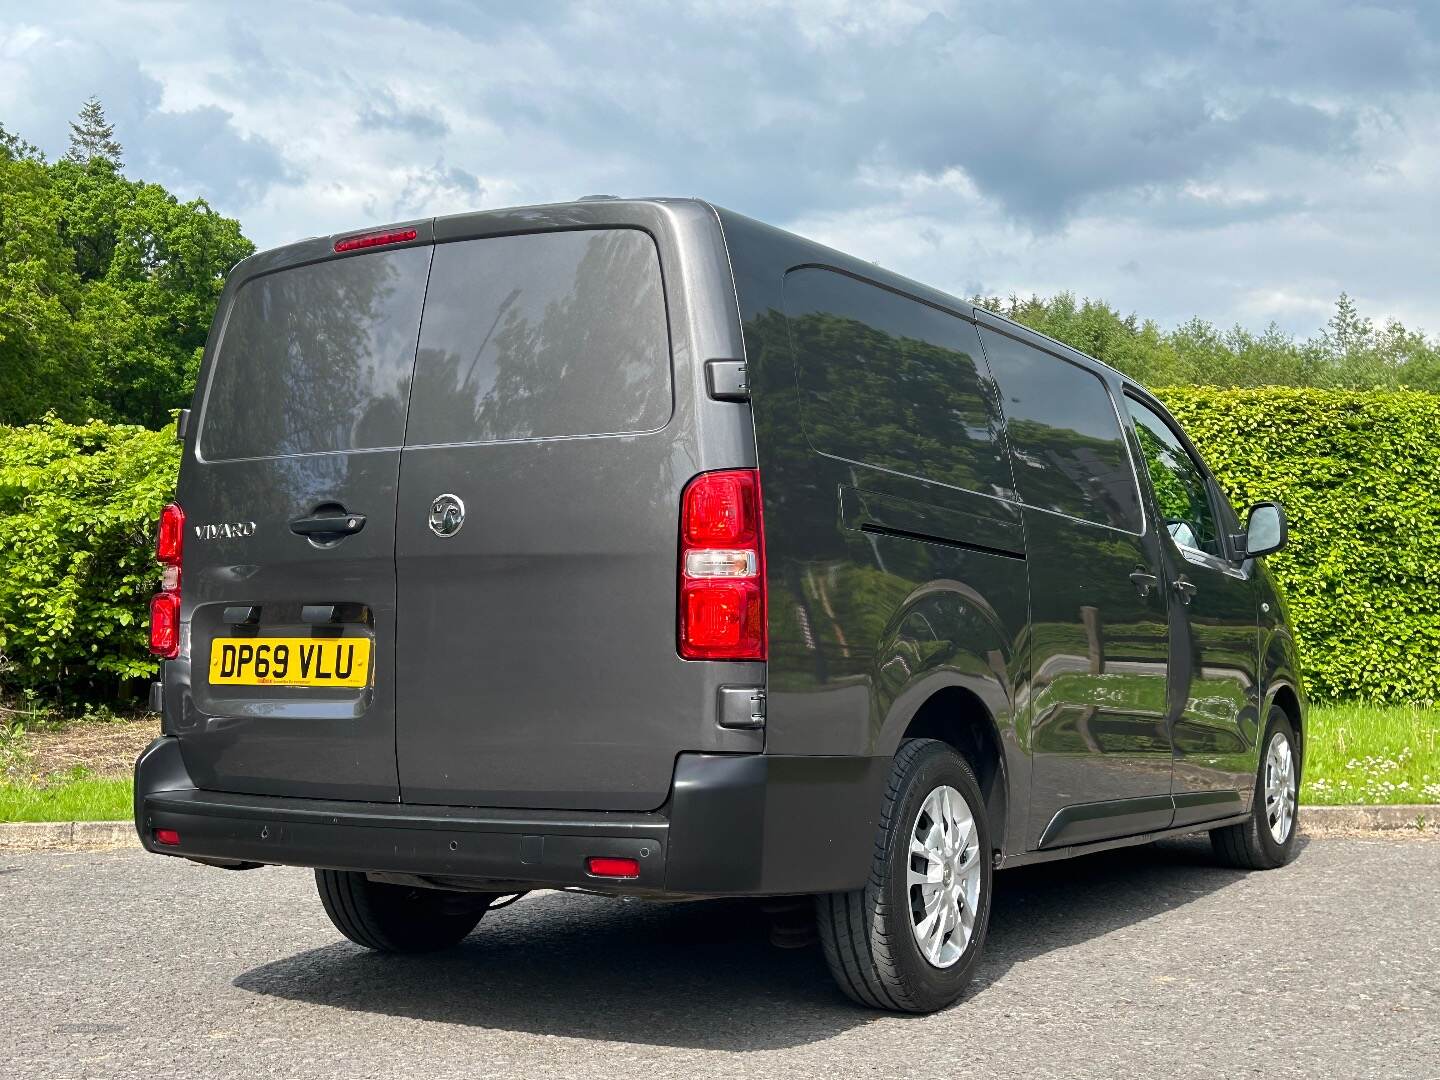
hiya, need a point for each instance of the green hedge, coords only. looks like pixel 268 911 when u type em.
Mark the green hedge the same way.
pixel 1359 474
pixel 78 505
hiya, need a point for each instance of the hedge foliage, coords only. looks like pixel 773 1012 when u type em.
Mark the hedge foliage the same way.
pixel 1359 475
pixel 1358 472
pixel 78 503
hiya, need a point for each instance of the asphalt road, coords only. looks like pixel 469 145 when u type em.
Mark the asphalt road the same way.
pixel 1150 962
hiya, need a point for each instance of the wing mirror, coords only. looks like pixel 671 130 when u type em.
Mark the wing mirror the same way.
pixel 1265 530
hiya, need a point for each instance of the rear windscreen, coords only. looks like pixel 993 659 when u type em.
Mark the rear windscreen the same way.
pixel 317 358
pixel 542 335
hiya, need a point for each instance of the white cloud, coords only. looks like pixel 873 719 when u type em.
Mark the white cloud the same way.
pixel 1240 163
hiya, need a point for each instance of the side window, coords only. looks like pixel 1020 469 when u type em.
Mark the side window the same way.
pixel 1180 490
pixel 1066 442
pixel 888 381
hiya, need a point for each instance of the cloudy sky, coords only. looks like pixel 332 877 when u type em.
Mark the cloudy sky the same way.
pixel 1244 162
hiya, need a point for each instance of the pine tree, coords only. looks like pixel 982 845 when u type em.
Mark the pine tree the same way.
pixel 93 136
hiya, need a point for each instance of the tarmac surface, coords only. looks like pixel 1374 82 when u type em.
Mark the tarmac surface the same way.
pixel 1145 962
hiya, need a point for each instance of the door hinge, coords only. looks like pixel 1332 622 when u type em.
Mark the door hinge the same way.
pixel 742 707
pixel 727 380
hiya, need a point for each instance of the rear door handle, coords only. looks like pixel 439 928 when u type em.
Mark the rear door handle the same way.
pixel 1185 589
pixel 331 525
pixel 1144 581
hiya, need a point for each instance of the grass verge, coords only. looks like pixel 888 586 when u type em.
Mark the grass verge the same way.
pixel 1354 754
pixel 57 769
pixel 1372 754
pixel 76 798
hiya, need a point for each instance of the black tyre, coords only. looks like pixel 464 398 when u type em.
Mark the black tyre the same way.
pixel 397 918
pixel 1267 839
pixel 909 941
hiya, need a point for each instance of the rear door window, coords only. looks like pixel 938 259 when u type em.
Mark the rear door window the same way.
pixel 888 381
pixel 317 358
pixel 1065 438
pixel 542 335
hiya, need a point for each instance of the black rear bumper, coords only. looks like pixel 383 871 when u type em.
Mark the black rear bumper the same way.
pixel 734 824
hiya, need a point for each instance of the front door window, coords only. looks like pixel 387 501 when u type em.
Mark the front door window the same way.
pixel 1181 493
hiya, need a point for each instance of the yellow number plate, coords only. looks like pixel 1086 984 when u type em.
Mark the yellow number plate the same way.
pixel 279 661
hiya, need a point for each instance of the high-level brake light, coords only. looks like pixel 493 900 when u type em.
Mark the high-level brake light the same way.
pixel 722 567
pixel 165 605
pixel 375 239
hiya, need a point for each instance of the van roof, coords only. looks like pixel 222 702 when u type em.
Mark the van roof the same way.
pixel 823 254
pixel 591 210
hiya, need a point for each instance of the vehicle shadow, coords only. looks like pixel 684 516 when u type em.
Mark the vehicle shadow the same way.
pixel 704 975
pixel 1058 904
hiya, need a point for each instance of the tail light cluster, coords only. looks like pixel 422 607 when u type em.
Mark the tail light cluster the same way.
pixel 165 605
pixel 722 567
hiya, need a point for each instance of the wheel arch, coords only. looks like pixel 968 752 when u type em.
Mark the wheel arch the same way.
pixel 956 716
pixel 1287 701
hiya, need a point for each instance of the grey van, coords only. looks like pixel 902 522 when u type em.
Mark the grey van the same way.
pixel 639 548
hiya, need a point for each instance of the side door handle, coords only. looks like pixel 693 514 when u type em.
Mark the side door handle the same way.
pixel 328 523
pixel 1144 581
pixel 1184 588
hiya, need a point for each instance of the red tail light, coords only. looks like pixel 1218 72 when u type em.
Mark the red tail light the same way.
pixel 722 567
pixel 165 624
pixel 170 537
pixel 375 239
pixel 168 837
pixel 165 605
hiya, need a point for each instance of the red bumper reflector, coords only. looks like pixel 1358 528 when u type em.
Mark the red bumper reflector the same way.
pixel 168 837
pixel 375 239
pixel 599 866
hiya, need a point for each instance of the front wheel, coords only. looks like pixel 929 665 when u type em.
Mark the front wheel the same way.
pixel 909 941
pixel 1266 839
pixel 397 918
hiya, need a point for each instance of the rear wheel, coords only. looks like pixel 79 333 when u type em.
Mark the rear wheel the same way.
pixel 909 941
pixel 397 918
pixel 1267 838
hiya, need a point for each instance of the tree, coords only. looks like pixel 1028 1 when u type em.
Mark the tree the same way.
pixel 93 136
pixel 1350 353
pixel 43 362
pixel 107 285
pixel 149 313
pixel 14 148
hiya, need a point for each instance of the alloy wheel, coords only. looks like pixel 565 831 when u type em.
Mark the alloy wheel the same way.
pixel 1280 788
pixel 944 876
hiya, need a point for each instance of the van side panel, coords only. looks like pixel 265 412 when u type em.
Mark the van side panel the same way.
pixel 885 588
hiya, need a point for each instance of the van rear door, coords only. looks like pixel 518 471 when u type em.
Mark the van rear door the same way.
pixel 289 493
pixel 536 537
